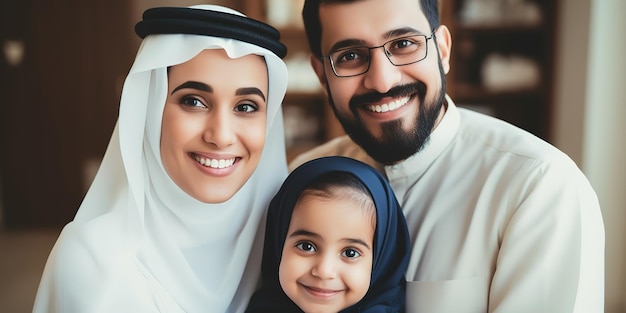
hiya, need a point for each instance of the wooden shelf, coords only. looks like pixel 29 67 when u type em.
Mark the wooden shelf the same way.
pixel 474 45
pixel 496 29
pixel 463 92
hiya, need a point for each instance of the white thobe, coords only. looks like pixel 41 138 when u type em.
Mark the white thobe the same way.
pixel 500 220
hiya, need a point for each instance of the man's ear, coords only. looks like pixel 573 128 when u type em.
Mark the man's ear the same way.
pixel 318 67
pixel 444 43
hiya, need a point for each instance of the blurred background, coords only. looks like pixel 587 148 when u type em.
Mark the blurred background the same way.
pixel 553 67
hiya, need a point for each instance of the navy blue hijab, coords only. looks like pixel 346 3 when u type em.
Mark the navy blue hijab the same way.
pixel 391 240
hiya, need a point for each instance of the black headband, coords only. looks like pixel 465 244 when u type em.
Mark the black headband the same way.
pixel 172 20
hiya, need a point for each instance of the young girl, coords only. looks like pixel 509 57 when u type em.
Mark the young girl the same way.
pixel 335 241
pixel 171 221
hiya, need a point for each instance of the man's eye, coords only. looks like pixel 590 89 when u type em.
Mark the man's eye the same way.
pixel 403 43
pixel 348 56
pixel 246 107
pixel 351 253
pixel 406 45
pixel 306 246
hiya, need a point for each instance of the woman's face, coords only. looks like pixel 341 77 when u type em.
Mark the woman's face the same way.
pixel 214 123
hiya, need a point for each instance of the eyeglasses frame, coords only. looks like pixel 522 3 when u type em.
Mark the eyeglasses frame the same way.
pixel 387 54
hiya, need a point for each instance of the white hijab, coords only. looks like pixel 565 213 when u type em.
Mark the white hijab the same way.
pixel 141 244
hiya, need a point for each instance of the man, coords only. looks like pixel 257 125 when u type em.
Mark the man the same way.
pixel 500 220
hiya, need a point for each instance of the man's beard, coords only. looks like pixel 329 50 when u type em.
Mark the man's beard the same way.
pixel 394 144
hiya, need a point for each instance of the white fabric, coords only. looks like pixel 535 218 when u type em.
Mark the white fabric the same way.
pixel 500 221
pixel 138 242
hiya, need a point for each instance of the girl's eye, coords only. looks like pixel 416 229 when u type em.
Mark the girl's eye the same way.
pixel 306 246
pixel 246 107
pixel 192 102
pixel 351 253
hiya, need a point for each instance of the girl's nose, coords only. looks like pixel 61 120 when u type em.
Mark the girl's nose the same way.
pixel 325 268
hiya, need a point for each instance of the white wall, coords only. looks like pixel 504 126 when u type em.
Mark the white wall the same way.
pixel 589 118
pixel 604 140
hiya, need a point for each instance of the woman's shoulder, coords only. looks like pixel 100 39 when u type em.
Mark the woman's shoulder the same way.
pixel 86 247
pixel 80 267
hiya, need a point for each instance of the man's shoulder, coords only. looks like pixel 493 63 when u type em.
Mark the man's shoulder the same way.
pixel 489 133
pixel 339 146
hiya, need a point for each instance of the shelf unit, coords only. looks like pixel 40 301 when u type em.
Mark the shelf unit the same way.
pixel 502 62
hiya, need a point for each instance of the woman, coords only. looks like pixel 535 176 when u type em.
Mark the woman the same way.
pixel 171 221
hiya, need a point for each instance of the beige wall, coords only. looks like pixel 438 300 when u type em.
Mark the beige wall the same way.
pixel 589 117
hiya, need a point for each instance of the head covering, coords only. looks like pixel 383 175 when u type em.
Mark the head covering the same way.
pixel 391 239
pixel 138 242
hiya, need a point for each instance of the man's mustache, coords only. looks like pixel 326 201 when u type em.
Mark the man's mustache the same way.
pixel 396 92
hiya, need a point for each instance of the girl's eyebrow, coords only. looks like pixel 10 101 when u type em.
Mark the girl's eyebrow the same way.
pixel 302 232
pixel 204 87
pixel 358 242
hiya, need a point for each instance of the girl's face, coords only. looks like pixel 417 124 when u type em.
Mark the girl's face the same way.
pixel 326 263
pixel 214 123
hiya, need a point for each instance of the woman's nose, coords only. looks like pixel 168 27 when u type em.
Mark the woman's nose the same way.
pixel 219 130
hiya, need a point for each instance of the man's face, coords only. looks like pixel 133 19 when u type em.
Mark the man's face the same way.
pixel 390 110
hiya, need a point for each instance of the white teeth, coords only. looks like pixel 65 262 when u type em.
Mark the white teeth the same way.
pixel 215 163
pixel 389 106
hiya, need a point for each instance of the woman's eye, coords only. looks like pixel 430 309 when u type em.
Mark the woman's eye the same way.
pixel 192 102
pixel 351 253
pixel 246 107
pixel 306 246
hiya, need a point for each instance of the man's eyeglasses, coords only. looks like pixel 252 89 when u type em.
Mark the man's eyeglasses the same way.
pixel 353 61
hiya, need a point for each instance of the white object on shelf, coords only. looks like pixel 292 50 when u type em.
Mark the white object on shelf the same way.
pixel 284 13
pixel 302 78
pixel 509 73
pixel 500 12
pixel 14 52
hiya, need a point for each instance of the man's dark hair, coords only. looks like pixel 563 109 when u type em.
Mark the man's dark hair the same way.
pixel 311 18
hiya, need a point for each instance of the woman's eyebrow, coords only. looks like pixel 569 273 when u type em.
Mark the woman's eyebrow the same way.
pixel 250 91
pixel 193 85
pixel 204 87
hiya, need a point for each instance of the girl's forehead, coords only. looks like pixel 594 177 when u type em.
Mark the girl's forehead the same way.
pixel 346 205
